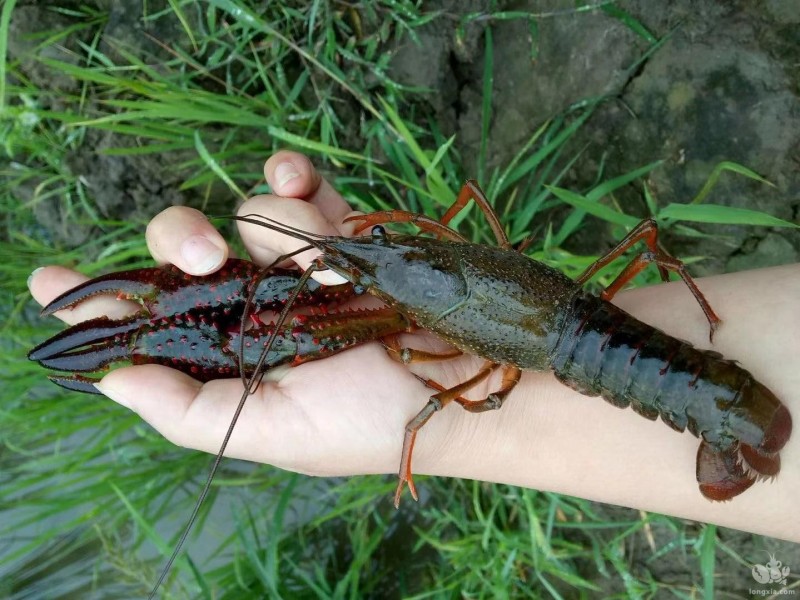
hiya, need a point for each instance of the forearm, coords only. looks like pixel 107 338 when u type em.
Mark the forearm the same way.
pixel 552 438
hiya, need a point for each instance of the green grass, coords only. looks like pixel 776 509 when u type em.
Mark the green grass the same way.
pixel 231 88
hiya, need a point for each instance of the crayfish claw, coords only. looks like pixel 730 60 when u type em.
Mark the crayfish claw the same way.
pixel 87 360
pixel 83 334
pixel 193 323
pixel 75 383
pixel 126 285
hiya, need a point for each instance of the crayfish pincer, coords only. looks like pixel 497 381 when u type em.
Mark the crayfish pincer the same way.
pixel 194 324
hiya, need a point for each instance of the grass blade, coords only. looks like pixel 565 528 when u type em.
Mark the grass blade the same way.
pixel 723 215
pixel 214 166
pixel 593 208
pixel 5 20
pixel 717 173
pixel 486 104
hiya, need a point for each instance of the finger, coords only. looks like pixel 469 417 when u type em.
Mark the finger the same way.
pixel 292 175
pixel 184 237
pixel 265 245
pixel 164 397
pixel 47 283
pixel 190 413
pixel 274 427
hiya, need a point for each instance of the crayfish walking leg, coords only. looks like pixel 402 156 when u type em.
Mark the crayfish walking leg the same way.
pixel 494 401
pixel 647 231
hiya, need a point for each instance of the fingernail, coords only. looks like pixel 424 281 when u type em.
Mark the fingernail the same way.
pixel 32 275
pixel 328 278
pixel 113 394
pixel 284 173
pixel 201 254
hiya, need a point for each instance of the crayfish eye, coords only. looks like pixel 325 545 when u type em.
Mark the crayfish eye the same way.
pixel 378 232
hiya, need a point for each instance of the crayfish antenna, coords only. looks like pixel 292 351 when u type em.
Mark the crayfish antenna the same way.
pixel 248 306
pixel 249 388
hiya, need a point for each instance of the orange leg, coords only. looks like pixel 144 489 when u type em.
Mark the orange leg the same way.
pixel 470 191
pixel 437 402
pixel 647 231
pixel 411 355
pixel 400 216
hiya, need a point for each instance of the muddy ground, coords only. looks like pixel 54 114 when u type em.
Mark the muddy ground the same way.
pixel 724 86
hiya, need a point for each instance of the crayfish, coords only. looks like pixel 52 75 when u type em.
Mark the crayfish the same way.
pixel 494 302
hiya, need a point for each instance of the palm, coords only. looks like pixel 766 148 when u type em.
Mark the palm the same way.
pixel 353 406
pixel 343 415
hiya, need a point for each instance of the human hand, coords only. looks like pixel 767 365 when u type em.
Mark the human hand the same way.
pixel 345 415
pixel 342 415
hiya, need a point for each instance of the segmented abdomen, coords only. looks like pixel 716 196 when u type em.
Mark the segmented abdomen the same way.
pixel 602 350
